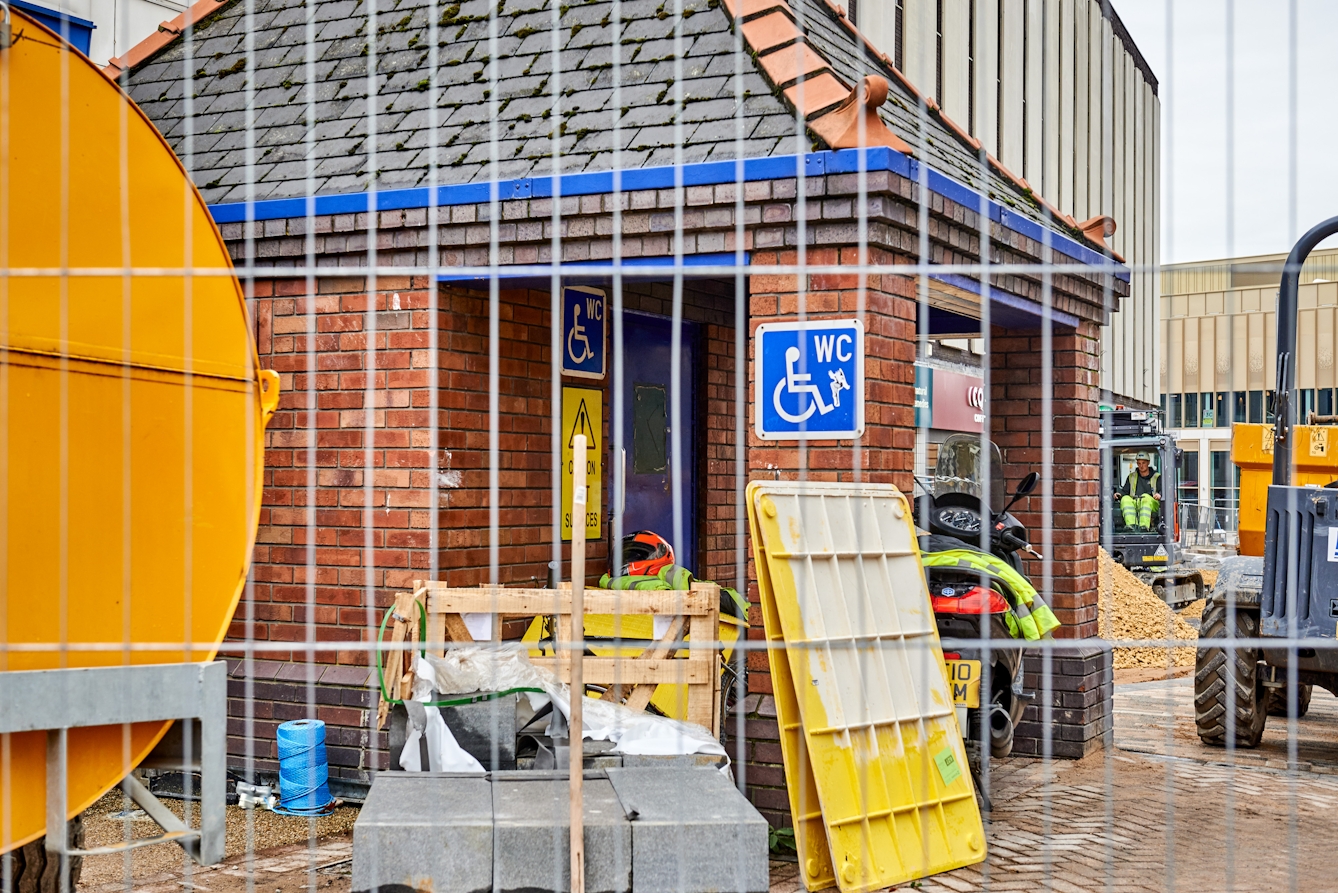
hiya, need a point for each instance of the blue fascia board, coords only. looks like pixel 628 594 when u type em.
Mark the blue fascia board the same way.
pixel 640 267
pixel 1007 299
pixel 705 173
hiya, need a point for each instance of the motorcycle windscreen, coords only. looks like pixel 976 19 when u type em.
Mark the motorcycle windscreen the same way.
pixel 966 463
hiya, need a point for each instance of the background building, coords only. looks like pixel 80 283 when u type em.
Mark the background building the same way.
pixel 1219 360
pixel 104 29
pixel 1058 92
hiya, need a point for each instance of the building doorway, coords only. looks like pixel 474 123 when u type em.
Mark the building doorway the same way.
pixel 647 464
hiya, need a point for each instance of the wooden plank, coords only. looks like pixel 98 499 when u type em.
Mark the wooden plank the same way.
pixel 404 614
pixel 534 602
pixel 635 671
pixel 666 646
pixel 436 634
pixel 702 633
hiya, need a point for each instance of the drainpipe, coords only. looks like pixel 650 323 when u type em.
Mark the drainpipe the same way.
pixel 1286 377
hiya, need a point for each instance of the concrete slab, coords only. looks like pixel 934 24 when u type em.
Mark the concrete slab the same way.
pixel 531 846
pixel 425 831
pixel 691 831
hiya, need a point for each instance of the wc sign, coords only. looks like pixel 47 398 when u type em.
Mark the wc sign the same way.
pixel 583 314
pixel 810 380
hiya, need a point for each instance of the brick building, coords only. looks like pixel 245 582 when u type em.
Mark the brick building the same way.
pixel 416 283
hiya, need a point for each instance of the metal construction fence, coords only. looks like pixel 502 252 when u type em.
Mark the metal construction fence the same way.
pixel 426 363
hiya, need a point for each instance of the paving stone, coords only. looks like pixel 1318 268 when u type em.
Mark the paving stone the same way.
pixel 425 831
pixel 691 830
pixel 531 846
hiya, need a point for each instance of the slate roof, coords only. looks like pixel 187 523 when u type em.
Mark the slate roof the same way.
pixel 526 124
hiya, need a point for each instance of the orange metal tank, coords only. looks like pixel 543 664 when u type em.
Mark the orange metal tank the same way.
pixel 132 407
pixel 1316 457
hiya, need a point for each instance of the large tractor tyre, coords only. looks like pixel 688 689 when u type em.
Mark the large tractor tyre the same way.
pixel 1225 682
pixel 1277 700
pixel 34 870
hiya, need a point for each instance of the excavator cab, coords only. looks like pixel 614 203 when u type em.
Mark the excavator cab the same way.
pixel 1148 550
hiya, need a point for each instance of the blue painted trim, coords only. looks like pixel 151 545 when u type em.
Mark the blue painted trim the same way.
pixel 1008 299
pixel 706 173
pixel 641 267
pixel 79 32
pixel 52 13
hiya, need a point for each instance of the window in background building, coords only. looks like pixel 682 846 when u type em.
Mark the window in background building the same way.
pixel 1191 410
pixel 1325 402
pixel 853 15
pixel 1221 471
pixel 1238 398
pixel 1173 420
pixel 1164 417
pixel 938 49
pixel 1305 404
pixel 1189 478
pixel 971 67
pixel 899 40
pixel 1221 418
pixel 1256 407
pixel 1208 419
pixel 1268 407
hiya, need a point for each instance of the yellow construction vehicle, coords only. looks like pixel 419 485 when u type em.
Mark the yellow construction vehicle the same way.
pixel 1269 626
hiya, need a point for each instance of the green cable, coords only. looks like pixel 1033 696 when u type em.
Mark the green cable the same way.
pixel 454 702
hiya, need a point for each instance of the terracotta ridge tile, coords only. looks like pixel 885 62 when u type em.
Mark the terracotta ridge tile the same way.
pixel 167 32
pixel 840 127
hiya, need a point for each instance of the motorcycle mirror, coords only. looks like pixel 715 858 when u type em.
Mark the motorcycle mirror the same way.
pixel 1027 484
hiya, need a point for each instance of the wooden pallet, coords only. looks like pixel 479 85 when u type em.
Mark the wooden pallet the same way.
pixel 695 664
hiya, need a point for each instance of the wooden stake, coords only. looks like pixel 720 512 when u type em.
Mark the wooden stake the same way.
pixel 575 738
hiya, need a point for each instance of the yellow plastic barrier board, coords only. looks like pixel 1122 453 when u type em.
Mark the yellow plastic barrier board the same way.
pixel 867 719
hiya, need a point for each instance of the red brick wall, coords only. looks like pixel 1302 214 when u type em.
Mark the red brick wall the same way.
pixel 1016 389
pixel 401 515
pixel 887 448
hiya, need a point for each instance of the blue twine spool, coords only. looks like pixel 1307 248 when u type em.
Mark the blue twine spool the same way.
pixel 304 772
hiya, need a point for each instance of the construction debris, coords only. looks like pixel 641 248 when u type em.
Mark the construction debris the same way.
pixel 1128 609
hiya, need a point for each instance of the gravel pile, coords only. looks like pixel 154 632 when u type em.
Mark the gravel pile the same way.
pixel 1127 609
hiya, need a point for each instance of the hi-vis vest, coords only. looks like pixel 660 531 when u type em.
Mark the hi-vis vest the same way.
pixel 1131 485
pixel 1031 616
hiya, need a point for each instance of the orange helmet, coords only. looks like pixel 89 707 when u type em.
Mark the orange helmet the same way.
pixel 644 554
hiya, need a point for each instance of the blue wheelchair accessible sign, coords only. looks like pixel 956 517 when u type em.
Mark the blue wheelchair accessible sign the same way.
pixel 810 380
pixel 583 317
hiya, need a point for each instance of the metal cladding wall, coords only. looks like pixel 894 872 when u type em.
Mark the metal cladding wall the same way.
pixel 1059 93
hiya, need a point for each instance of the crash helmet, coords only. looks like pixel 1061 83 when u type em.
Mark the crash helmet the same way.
pixel 644 554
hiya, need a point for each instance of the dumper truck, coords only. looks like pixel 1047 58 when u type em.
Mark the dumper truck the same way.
pixel 1268 630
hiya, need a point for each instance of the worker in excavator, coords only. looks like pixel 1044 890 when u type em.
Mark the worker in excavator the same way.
pixel 1140 495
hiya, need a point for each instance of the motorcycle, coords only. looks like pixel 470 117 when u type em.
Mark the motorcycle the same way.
pixel 969 603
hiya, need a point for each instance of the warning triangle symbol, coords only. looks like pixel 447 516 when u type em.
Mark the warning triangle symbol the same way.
pixel 582 425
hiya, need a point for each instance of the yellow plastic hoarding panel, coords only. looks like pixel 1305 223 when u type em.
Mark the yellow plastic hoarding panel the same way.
pixel 134 409
pixel 810 834
pixel 877 715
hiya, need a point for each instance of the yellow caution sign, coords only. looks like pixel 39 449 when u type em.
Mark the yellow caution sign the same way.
pixel 583 413
pixel 1319 441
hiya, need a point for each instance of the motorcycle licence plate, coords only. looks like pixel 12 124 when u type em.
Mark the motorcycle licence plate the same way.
pixel 964 678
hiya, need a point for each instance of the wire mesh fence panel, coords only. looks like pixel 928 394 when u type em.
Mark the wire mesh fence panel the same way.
pixel 480 445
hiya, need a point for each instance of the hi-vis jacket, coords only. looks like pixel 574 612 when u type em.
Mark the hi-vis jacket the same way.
pixel 673 577
pixel 1031 616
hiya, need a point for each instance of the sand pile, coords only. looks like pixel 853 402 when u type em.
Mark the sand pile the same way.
pixel 1128 609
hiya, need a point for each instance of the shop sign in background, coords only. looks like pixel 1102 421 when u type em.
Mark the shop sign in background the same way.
pixel 583 413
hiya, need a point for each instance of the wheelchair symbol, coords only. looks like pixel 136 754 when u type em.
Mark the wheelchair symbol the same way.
pixel 798 383
pixel 577 333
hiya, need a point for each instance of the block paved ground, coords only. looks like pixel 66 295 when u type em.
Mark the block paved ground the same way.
pixel 1237 821
pixel 1105 824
